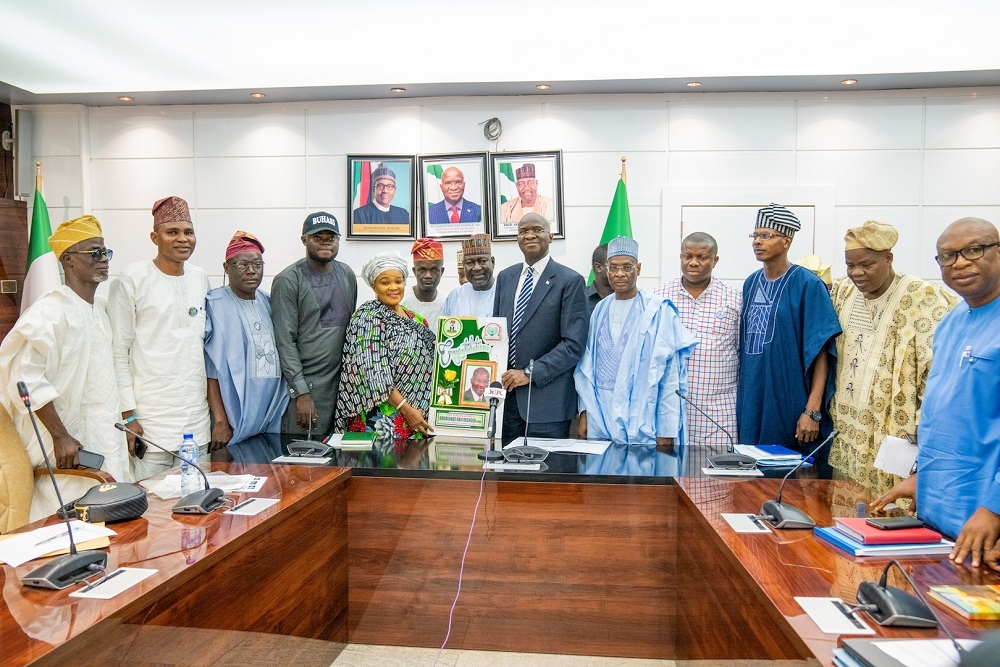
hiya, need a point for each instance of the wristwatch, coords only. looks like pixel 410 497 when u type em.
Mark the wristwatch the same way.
pixel 816 416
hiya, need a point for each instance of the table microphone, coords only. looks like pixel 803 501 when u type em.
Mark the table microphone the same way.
pixel 75 566
pixel 783 515
pixel 200 502
pixel 495 393
pixel 888 605
pixel 731 460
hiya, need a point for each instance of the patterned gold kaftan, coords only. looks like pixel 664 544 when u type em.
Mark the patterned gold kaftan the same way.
pixel 883 360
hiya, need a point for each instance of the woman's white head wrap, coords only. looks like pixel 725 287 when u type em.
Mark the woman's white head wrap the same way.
pixel 384 261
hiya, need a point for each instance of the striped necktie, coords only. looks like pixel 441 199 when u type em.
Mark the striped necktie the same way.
pixel 519 307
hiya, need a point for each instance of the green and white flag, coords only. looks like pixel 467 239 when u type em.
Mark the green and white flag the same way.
pixel 506 183
pixel 43 270
pixel 619 222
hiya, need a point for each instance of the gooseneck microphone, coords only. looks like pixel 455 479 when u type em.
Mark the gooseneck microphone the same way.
pixel 527 413
pixel 888 605
pixel 732 460
pixel 783 515
pixel 75 566
pixel 199 502
pixel 495 393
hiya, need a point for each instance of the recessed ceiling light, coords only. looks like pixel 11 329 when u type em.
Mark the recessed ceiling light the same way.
pixel 543 86
pixel 126 98
pixel 848 82
pixel 258 95
pixel 397 90
pixel 693 84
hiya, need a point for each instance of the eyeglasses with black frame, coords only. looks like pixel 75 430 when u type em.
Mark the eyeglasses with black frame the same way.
pixel 621 268
pixel 243 266
pixel 971 253
pixel 766 236
pixel 96 254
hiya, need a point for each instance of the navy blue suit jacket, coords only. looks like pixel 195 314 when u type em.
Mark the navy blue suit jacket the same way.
pixel 471 212
pixel 553 333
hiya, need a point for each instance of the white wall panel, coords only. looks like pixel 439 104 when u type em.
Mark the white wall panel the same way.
pixel 145 134
pixel 249 134
pixel 962 177
pixel 251 182
pixel 455 128
pixel 61 182
pixel 590 179
pixel 863 178
pixel 732 167
pixel 139 184
pixel 357 130
pixel 607 126
pixel 735 126
pixel 963 122
pixel 859 124
pixel 127 233
pixel 326 182
pixel 55 133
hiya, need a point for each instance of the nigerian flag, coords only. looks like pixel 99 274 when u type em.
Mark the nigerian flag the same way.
pixel 619 222
pixel 506 183
pixel 43 270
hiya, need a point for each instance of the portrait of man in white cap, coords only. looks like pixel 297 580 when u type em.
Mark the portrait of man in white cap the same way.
pixel 379 208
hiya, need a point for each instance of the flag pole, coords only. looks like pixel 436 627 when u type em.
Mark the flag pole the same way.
pixel 624 180
pixel 38 176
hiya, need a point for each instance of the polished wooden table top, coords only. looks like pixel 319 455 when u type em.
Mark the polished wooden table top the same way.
pixel 790 563
pixel 180 547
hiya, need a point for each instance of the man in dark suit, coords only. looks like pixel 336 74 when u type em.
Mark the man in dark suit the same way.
pixel 546 311
pixel 454 207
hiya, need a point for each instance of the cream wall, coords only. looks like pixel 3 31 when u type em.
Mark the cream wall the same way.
pixel 916 159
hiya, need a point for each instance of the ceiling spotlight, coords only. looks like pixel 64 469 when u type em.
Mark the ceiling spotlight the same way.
pixel 125 98
pixel 693 84
pixel 397 90
pixel 543 86
pixel 258 95
pixel 848 82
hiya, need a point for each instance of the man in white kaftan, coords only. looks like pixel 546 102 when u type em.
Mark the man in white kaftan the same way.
pixel 635 360
pixel 61 349
pixel 157 311
pixel 474 298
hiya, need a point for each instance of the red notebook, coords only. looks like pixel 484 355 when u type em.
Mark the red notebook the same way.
pixel 858 530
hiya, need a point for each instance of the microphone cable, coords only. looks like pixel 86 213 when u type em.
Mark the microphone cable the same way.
pixel 461 569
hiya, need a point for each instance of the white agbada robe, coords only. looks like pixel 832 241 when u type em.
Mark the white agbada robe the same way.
pixel 61 349
pixel 466 301
pixel 159 335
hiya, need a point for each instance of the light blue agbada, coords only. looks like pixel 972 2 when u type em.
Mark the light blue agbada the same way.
pixel 240 353
pixel 654 347
pixel 958 463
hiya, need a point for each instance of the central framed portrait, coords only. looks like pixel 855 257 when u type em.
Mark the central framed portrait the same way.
pixel 381 197
pixel 453 195
pixel 526 183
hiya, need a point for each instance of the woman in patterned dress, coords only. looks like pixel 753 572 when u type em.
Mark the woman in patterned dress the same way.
pixel 385 384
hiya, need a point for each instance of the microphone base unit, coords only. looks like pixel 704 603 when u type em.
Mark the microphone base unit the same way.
pixel 784 516
pixel 896 607
pixel 490 455
pixel 733 461
pixel 205 501
pixel 64 571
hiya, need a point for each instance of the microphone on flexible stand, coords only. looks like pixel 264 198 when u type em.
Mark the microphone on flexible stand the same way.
pixel 731 460
pixel 888 605
pixel 199 502
pixel 783 515
pixel 75 566
pixel 525 453
pixel 495 393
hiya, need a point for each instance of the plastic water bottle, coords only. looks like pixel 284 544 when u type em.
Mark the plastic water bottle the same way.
pixel 190 479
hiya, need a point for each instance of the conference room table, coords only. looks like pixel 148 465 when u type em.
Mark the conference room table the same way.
pixel 620 554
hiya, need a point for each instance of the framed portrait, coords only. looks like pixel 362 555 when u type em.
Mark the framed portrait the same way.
pixel 381 196
pixel 453 195
pixel 477 374
pixel 526 183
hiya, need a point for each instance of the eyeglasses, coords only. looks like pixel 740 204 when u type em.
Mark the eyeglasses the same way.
pixel 766 236
pixel 622 268
pixel 533 231
pixel 971 253
pixel 242 266
pixel 97 253
pixel 385 186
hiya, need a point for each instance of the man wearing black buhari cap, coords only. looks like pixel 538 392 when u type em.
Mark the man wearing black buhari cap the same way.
pixel 311 303
pixel 787 351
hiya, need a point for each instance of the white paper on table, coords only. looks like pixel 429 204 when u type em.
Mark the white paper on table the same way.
pixel 725 472
pixel 116 582
pixel 925 652
pixel 170 486
pixel 252 506
pixel 304 460
pixel 830 615
pixel 563 445
pixel 501 467
pixel 896 456
pixel 746 523
pixel 19 549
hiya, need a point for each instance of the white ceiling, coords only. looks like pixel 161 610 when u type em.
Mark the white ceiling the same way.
pixel 184 51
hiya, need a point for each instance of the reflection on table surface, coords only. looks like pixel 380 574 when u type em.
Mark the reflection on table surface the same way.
pixel 621 461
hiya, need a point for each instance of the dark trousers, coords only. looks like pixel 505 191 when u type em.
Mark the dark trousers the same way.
pixel 513 425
